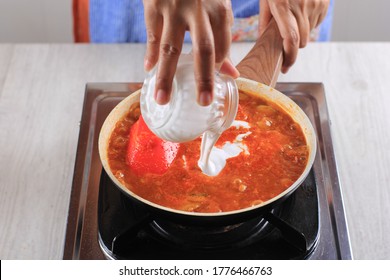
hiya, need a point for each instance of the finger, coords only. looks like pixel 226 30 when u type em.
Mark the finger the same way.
pixel 314 21
pixel 154 23
pixel 324 6
pixel 204 57
pixel 169 52
pixel 303 26
pixel 221 26
pixel 289 31
pixel 320 18
pixel 264 16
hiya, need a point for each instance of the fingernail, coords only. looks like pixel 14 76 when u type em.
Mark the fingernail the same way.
pixel 161 97
pixel 204 98
pixel 236 73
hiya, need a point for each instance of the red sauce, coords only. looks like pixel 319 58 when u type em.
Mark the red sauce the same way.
pixel 278 156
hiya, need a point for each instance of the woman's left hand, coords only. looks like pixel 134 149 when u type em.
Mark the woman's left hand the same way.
pixel 295 19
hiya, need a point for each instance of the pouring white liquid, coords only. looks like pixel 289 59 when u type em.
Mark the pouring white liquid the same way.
pixel 212 159
pixel 183 119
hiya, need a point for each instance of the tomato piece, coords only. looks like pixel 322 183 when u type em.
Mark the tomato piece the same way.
pixel 146 153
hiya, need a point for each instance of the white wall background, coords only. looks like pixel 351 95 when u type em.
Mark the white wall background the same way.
pixel 50 21
pixel 36 21
pixel 361 20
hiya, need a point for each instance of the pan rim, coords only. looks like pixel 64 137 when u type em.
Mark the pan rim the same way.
pixel 246 85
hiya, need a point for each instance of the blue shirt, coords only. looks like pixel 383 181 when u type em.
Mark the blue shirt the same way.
pixel 120 21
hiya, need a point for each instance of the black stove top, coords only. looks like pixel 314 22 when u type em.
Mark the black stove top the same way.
pixel 128 231
pixel 104 223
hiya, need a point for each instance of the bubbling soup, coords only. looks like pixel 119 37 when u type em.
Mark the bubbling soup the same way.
pixel 268 154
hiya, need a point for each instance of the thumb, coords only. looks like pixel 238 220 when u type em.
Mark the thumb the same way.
pixel 228 68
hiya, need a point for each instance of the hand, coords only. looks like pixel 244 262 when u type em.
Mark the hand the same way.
pixel 209 23
pixel 295 19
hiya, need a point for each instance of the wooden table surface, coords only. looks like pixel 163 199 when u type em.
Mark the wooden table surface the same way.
pixel 41 97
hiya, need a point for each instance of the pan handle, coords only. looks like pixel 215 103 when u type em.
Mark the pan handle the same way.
pixel 264 60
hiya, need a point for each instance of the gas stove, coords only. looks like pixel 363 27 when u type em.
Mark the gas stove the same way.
pixel 104 224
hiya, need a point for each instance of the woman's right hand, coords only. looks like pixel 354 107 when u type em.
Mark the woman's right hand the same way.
pixel 209 23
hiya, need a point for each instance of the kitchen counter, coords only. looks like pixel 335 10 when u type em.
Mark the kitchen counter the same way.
pixel 41 98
